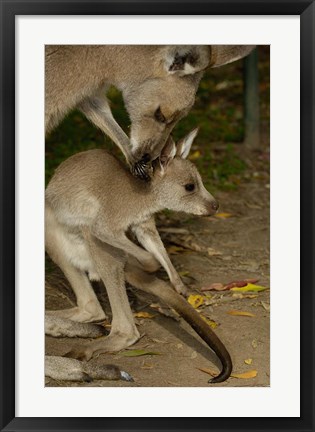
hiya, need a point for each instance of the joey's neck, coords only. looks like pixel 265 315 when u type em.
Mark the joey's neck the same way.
pixel 146 201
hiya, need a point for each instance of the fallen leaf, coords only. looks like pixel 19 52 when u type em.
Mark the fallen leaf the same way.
pixel 193 355
pixel 147 366
pixel 195 300
pixel 211 372
pixel 223 215
pixel 250 287
pixel 238 295
pixel 216 286
pixel 240 313
pixel 251 281
pixel 164 310
pixel 234 284
pixel 245 375
pixel 253 206
pixel 173 383
pixel 183 273
pixel 248 361
pixel 143 315
pixel 195 155
pixel 210 322
pixel 213 252
pixel 254 343
pixel 138 353
pixel 155 340
pixel 175 250
pixel 266 306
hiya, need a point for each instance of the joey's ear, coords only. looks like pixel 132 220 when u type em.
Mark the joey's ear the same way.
pixel 186 59
pixel 168 153
pixel 224 54
pixel 184 145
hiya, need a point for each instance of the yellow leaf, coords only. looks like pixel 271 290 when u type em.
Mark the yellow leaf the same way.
pixel 248 361
pixel 249 287
pixel 265 305
pixel 174 250
pixel 193 355
pixel 183 273
pixel 147 366
pixel 195 300
pixel 240 313
pixel 245 375
pixel 223 215
pixel 195 155
pixel 143 315
pixel 209 371
pixel 210 322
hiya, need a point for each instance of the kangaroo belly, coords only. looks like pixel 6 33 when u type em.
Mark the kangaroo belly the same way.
pixel 64 242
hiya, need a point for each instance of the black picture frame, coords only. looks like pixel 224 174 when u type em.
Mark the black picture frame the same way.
pixel 9 10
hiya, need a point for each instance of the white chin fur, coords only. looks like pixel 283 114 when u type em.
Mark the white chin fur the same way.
pixel 134 144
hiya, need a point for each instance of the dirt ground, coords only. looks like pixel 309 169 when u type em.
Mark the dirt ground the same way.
pixel 232 246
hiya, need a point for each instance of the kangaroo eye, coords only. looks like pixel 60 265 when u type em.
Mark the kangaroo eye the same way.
pixel 190 187
pixel 159 116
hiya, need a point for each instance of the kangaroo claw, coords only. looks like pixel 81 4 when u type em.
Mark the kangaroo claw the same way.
pixel 142 169
pixel 126 377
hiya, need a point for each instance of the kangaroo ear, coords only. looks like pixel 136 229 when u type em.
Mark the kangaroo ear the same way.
pixel 184 145
pixel 168 153
pixel 186 59
pixel 224 54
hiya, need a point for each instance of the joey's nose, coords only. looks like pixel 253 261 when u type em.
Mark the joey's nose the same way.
pixel 215 206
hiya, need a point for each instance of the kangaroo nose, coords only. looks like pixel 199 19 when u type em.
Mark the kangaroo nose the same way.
pixel 215 205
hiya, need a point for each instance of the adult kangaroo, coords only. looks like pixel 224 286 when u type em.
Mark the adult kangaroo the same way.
pixel 158 84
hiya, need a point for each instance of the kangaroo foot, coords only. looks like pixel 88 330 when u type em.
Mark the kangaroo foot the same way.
pixel 68 369
pixel 90 313
pixel 115 341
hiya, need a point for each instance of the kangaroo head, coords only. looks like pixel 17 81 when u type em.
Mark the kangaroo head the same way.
pixel 177 182
pixel 157 103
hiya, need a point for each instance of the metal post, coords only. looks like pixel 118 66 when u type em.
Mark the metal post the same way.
pixel 251 91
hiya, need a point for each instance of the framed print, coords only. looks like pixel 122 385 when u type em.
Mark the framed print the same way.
pixel 222 258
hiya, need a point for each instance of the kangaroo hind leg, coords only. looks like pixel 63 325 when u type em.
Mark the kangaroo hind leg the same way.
pixel 59 247
pixel 110 264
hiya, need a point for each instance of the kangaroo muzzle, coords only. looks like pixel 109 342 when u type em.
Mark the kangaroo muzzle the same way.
pixel 212 207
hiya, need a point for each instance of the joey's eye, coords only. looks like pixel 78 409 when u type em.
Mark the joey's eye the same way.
pixel 190 187
pixel 159 116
